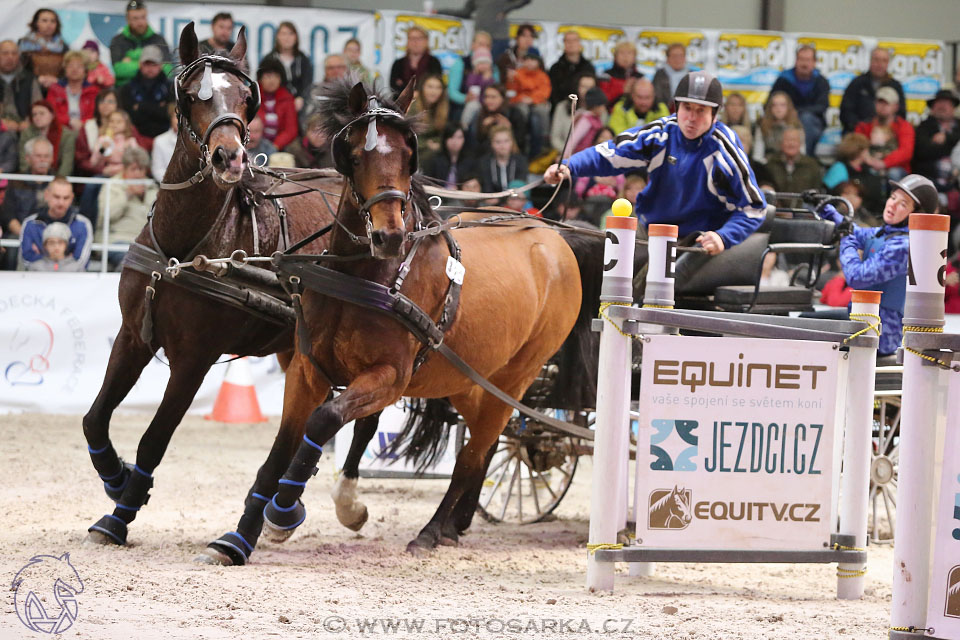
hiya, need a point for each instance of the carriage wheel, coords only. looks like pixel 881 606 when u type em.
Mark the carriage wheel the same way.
pixel 528 476
pixel 884 469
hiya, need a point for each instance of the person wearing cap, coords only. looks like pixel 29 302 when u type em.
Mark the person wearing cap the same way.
pixel 699 176
pixel 59 207
pixel 148 93
pixel 56 239
pixel 97 72
pixel 935 139
pixel 895 163
pixel 858 100
pixel 810 93
pixel 877 259
pixel 127 46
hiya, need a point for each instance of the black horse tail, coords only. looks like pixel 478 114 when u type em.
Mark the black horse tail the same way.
pixel 578 359
pixel 426 431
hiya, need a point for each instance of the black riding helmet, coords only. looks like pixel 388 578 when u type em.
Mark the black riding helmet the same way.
pixel 921 190
pixel 700 87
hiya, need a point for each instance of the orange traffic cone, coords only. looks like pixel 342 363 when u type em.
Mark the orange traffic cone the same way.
pixel 237 399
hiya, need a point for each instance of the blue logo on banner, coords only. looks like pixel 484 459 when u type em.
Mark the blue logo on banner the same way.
pixel 674 435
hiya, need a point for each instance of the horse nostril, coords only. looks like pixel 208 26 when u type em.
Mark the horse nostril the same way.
pixel 220 158
pixel 377 238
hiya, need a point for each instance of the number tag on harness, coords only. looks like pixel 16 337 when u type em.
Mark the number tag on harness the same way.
pixel 455 270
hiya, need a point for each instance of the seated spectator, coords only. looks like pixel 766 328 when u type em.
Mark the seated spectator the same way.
pixel 416 62
pixel 129 203
pixel 735 111
pixel 935 139
pixel 147 94
pixel 459 74
pixel 351 52
pixel 560 123
pixel 858 103
pixel 431 101
pixel 667 77
pixel 778 115
pixel 298 70
pixel 599 186
pixel 475 81
pixel 43 123
pixel 512 58
pixel 531 88
pixel 95 128
pixel 496 112
pixel 163 146
pixel 97 72
pixel 57 207
pixel 73 98
pixel 18 89
pixel 566 72
pixel 115 138
pixel 454 164
pixel 221 35
pixel 951 300
pixel 518 200
pixel 54 254
pixel 334 68
pixel 810 93
pixel 588 122
pixel 22 197
pixel 312 150
pixel 637 108
pixel 853 193
pixel 617 80
pixel 852 166
pixel 43 47
pixel 793 172
pixel 503 164
pixel 127 46
pixel 892 157
pixel 257 144
pixel 746 143
pixel 277 109
pixel 471 184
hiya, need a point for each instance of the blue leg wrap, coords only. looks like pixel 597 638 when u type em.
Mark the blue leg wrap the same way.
pixel 112 527
pixel 115 485
pixel 235 546
pixel 285 518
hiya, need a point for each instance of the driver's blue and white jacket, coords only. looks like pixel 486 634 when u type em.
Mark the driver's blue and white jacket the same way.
pixel 704 184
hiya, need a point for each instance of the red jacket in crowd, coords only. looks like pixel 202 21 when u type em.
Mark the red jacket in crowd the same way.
pixel 836 293
pixel 951 300
pixel 905 134
pixel 279 117
pixel 57 96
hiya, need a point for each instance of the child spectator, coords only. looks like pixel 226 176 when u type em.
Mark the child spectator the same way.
pixel 479 78
pixel 58 207
pixel 530 85
pixel 277 109
pixel 588 122
pixel 518 201
pixel 257 144
pixel 770 274
pixel 97 72
pixel 853 193
pixel 457 87
pixel 115 138
pixel 431 101
pixel 560 123
pixel 778 115
pixel 56 238
pixel 43 123
pixel 503 164
pixel 43 47
pixel 298 70
pixel 73 98
pixel 633 184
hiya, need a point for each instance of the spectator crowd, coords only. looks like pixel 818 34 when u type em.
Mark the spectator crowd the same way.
pixel 496 118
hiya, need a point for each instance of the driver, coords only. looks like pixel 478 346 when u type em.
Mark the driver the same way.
pixel 699 176
pixel 877 259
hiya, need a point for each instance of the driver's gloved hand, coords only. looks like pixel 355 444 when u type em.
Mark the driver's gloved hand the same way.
pixel 843 225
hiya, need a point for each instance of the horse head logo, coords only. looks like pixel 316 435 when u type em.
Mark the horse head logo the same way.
pixel 42 577
pixel 670 509
pixel 952 608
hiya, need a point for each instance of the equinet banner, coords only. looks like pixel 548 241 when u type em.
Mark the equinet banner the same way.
pixel 737 443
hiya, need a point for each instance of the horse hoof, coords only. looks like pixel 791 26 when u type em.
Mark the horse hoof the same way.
pixel 275 534
pixel 280 522
pixel 356 523
pixel 95 538
pixel 447 541
pixel 350 512
pixel 213 556
pixel 108 530
pixel 420 547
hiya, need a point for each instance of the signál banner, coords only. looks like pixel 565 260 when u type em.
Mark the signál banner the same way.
pixel 943 612
pixel 735 448
pixel 652 48
pixel 598 43
pixel 448 37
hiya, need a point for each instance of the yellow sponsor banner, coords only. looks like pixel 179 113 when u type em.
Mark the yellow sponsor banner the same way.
pixel 536 27
pixel 741 52
pixel 917 65
pixel 445 34
pixel 598 42
pixel 845 56
pixel 652 46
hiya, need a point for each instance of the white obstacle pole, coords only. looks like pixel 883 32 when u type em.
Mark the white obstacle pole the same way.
pixel 612 436
pixel 855 480
pixel 918 420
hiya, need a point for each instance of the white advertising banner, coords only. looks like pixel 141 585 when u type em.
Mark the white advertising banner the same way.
pixel 56 332
pixel 736 443
pixel 943 613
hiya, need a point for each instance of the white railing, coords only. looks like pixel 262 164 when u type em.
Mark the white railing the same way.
pixel 103 246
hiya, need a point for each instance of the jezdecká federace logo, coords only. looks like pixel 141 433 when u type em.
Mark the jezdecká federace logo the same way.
pixel 45 593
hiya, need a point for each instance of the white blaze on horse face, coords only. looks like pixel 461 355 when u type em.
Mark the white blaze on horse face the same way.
pixel 220 80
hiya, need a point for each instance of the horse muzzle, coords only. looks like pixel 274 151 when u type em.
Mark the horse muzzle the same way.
pixel 228 165
pixel 387 243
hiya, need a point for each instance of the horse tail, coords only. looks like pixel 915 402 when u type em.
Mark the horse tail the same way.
pixel 426 431
pixel 578 358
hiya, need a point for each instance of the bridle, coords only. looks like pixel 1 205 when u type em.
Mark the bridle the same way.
pixel 208 62
pixel 341 151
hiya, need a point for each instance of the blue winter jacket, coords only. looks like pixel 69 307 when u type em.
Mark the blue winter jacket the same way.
pixel 81 235
pixel 704 184
pixel 882 267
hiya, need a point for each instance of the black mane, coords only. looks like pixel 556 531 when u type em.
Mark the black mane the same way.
pixel 333 107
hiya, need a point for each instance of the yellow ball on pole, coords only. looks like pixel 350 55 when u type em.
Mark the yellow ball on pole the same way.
pixel 621 207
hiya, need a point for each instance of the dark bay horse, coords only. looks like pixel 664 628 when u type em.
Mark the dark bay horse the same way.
pixel 519 300
pixel 211 216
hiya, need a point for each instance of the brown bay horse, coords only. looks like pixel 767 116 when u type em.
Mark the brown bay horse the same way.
pixel 211 216
pixel 519 300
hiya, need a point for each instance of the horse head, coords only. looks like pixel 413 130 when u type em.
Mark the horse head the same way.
pixel 377 153
pixel 216 100
pixel 680 505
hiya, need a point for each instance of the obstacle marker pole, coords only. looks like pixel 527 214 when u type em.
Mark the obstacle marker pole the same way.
pixel 855 479
pixel 612 440
pixel 923 312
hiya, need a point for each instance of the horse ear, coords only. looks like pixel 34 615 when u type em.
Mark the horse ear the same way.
pixel 189 49
pixel 406 96
pixel 239 51
pixel 358 99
